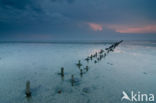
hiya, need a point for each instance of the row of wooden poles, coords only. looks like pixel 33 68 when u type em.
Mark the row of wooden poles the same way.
pixel 97 56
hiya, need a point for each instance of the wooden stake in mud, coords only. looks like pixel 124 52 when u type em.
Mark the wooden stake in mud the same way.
pixel 95 61
pixel 79 64
pixel 86 68
pixel 81 72
pixel 91 57
pixel 62 72
pixel 28 92
pixel 72 80
pixel 87 59
pixel 96 54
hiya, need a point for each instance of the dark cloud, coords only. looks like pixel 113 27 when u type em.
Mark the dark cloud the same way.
pixel 69 18
pixel 61 1
pixel 18 4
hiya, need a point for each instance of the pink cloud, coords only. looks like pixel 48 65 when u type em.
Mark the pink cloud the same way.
pixel 95 27
pixel 138 29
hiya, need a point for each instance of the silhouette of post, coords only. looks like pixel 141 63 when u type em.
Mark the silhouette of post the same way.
pixel 28 92
pixel 62 72
pixel 79 64
pixel 86 68
pixel 72 80
pixel 81 72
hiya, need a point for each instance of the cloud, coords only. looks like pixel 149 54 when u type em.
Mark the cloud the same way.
pixel 68 1
pixel 67 18
pixel 138 29
pixel 18 4
pixel 95 27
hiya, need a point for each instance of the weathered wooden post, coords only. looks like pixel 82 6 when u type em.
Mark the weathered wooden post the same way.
pixel 81 72
pixel 104 54
pixel 79 64
pixel 28 92
pixel 87 59
pixel 96 54
pixel 62 72
pixel 72 80
pixel 98 59
pixel 95 61
pixel 86 68
pixel 91 57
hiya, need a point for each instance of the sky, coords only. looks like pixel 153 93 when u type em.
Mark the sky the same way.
pixel 77 20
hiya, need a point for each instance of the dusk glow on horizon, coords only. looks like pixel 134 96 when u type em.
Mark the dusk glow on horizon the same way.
pixel 127 29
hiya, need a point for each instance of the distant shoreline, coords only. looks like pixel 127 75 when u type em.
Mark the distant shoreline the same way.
pixel 78 42
pixel 61 42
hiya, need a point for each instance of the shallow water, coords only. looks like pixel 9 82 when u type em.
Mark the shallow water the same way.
pixel 130 67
